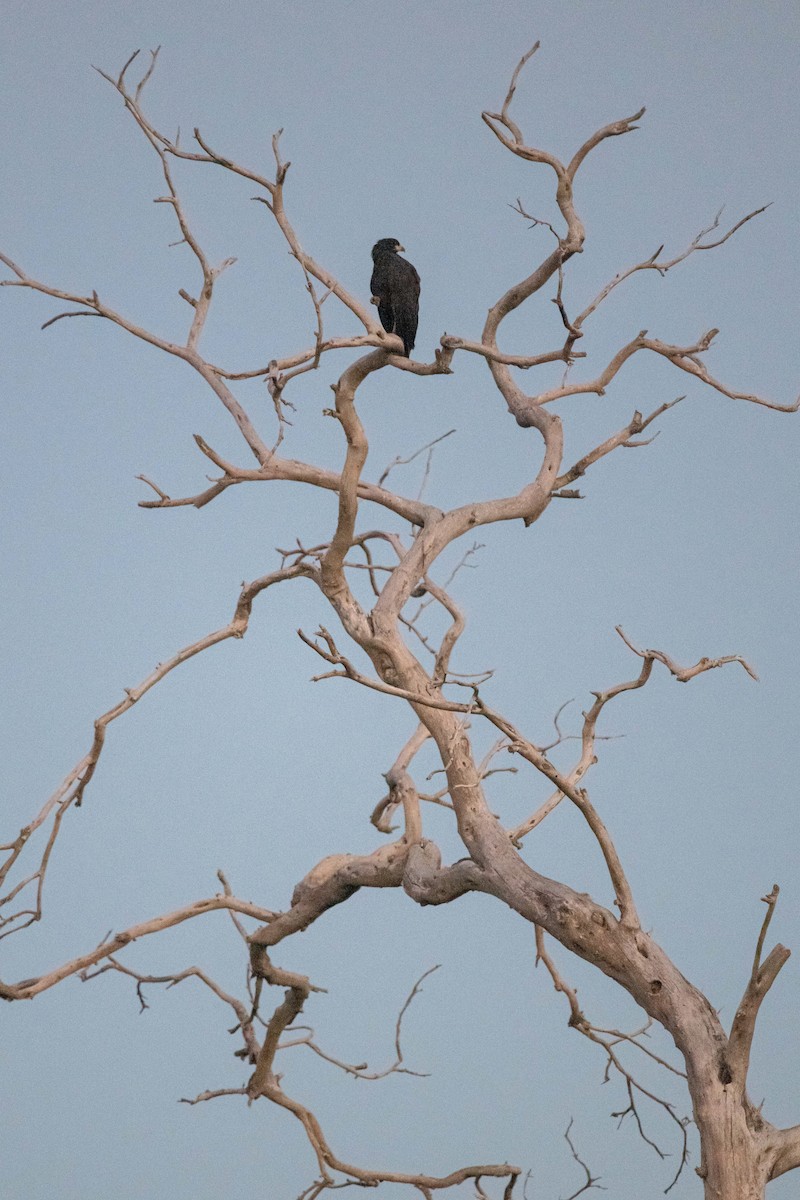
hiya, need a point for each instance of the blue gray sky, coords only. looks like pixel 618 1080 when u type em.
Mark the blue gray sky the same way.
pixel 238 761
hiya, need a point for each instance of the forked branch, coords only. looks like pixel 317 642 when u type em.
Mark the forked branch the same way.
pixel 26 989
pixel 609 1040
pixel 763 974
pixel 71 790
pixel 361 1070
pixel 662 265
pixel 684 674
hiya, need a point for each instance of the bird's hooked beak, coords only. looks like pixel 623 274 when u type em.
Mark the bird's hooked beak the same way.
pixel 399 248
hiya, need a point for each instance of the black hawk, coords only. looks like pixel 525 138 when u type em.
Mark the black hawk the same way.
pixel 395 290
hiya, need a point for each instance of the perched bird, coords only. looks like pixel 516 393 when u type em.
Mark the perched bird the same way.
pixel 395 290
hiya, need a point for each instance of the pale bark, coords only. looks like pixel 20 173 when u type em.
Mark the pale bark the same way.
pixel 741 1151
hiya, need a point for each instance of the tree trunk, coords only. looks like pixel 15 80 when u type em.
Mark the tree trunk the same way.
pixel 735 1159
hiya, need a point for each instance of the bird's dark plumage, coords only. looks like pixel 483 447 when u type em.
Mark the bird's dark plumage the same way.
pixel 395 290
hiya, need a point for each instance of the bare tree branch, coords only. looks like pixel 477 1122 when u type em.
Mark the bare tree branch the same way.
pixel 633 1087
pixel 187 353
pixel 72 788
pixel 662 266
pixel 360 1070
pixel 637 424
pixel 592 1181
pixel 684 674
pixel 399 461
pixel 762 976
pixel 28 988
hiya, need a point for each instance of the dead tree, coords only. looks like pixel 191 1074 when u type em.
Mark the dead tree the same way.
pixel 741 1151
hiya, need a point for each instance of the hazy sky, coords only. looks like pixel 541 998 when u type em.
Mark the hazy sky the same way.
pixel 238 761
